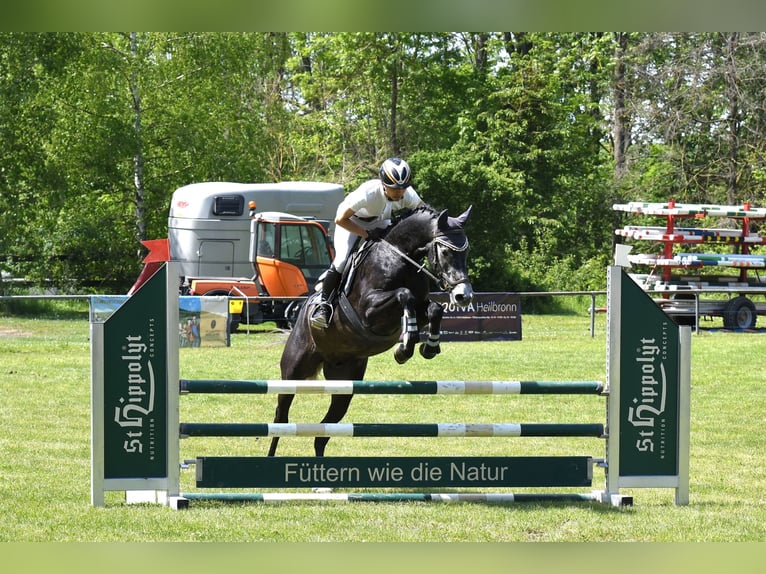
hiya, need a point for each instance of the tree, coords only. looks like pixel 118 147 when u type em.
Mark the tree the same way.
pixel 541 131
pixel 695 117
pixel 119 121
pixel 530 157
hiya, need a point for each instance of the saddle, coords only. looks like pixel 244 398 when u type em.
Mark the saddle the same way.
pixel 356 259
pixel 341 304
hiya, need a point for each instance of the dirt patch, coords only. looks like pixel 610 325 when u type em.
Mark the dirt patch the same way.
pixel 8 332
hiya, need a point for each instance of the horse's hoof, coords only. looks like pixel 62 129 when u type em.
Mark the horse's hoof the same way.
pixel 401 355
pixel 429 351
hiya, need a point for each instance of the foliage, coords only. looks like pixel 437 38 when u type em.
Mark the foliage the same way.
pixel 98 129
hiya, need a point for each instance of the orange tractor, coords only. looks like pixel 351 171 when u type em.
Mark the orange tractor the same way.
pixel 287 254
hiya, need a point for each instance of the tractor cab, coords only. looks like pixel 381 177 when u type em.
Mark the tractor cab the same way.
pixel 288 253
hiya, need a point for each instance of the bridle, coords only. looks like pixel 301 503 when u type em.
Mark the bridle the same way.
pixel 443 240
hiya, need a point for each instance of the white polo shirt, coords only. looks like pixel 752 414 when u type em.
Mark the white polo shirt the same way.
pixel 369 200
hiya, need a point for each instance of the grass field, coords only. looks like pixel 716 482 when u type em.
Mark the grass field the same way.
pixel 45 450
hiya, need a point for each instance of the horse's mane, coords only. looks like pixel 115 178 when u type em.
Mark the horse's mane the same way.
pixel 410 224
pixel 407 213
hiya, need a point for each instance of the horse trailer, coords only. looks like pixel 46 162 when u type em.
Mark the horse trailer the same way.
pixel 209 223
pixel 215 230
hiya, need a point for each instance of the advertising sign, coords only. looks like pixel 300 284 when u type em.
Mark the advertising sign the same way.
pixel 393 472
pixel 649 379
pixel 135 385
pixel 489 317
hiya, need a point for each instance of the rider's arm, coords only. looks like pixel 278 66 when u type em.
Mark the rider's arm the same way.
pixel 344 220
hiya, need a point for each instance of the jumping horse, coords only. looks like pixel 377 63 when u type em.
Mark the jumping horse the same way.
pixel 385 302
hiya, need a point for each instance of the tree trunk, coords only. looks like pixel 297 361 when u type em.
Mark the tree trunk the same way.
pixel 620 127
pixel 733 120
pixel 394 106
pixel 481 57
pixel 138 156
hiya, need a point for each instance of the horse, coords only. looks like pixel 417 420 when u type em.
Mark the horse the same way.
pixel 385 302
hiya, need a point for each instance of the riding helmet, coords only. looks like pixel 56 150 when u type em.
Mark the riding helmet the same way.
pixel 395 173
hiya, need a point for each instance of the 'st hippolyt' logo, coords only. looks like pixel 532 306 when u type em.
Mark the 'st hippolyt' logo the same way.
pixel 136 404
pixel 646 414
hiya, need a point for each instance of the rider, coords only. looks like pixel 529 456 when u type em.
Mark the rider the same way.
pixel 366 212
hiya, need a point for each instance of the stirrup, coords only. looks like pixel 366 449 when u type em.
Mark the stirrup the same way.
pixel 318 319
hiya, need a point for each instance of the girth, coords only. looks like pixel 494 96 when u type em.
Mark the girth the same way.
pixel 352 317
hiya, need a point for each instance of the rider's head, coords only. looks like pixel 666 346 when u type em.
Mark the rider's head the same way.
pixel 395 173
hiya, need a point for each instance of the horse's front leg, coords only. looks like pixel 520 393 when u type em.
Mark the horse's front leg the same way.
pixel 410 334
pixel 430 348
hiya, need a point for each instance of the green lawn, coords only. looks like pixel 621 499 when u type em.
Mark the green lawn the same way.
pixel 45 450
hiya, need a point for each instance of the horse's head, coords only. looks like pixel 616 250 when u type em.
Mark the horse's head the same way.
pixel 448 256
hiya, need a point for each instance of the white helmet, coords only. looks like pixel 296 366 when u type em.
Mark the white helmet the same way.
pixel 395 173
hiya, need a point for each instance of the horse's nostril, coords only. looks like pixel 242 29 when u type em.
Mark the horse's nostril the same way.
pixel 462 295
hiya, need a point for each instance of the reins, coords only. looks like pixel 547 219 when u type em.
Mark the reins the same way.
pixel 441 283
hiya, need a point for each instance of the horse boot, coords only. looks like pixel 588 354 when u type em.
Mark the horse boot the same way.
pixel 323 310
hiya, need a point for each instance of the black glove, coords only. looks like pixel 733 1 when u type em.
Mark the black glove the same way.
pixel 376 234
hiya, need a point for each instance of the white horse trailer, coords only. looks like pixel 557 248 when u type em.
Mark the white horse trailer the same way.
pixel 209 223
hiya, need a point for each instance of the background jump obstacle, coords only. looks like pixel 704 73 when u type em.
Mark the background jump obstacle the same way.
pixel 136 429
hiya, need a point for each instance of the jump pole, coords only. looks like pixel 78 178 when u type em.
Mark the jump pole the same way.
pixel 135 403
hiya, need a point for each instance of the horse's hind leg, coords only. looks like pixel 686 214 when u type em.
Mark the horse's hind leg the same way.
pixel 299 361
pixel 338 408
pixel 280 416
pixel 431 347
pixel 339 403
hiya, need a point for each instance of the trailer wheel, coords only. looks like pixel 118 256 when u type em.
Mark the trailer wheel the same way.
pixel 739 313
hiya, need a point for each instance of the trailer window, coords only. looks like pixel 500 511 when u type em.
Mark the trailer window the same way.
pixel 228 205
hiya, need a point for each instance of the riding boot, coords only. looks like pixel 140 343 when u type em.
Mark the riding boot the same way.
pixel 323 311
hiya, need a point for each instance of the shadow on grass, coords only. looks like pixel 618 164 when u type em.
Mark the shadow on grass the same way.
pixel 67 310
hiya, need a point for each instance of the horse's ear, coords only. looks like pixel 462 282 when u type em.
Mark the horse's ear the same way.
pixel 463 217
pixel 442 220
pixel 446 223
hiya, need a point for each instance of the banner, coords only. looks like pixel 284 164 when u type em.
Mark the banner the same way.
pixel 489 317
pixel 393 472
pixel 649 386
pixel 202 321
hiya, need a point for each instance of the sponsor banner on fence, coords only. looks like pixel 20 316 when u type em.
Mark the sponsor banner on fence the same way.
pixel 202 321
pixel 489 317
